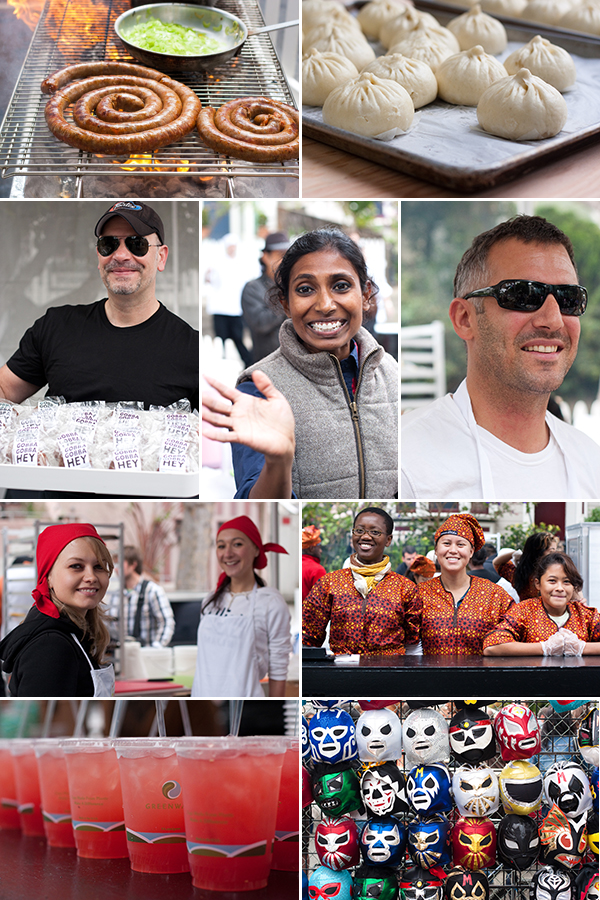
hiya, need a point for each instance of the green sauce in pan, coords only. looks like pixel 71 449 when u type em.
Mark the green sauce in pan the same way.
pixel 162 37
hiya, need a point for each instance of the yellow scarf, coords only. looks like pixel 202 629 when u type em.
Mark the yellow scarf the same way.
pixel 368 576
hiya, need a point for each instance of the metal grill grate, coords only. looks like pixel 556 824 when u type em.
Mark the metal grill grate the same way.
pixel 559 743
pixel 72 31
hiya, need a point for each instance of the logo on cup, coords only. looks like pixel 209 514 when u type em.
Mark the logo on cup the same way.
pixel 171 790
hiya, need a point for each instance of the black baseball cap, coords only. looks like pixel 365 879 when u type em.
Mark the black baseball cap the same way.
pixel 139 215
pixel 276 241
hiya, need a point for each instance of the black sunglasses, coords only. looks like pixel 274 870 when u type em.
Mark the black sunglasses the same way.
pixel 136 244
pixel 527 296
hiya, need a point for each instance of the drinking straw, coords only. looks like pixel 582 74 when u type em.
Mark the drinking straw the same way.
pixel 235 716
pixel 80 720
pixel 185 717
pixel 117 717
pixel 160 717
pixel 50 710
pixel 23 718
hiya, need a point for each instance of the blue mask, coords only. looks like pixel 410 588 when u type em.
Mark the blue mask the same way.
pixel 305 742
pixel 428 789
pixel 428 841
pixel 332 736
pixel 383 841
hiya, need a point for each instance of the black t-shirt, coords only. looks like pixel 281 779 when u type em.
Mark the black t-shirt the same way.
pixel 80 356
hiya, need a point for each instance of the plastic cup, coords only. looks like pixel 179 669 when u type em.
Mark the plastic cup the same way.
pixel 287 826
pixel 230 794
pixel 153 805
pixel 28 787
pixel 95 798
pixel 54 789
pixel 9 805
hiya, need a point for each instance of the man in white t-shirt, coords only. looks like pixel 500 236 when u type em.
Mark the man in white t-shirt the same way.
pixel 517 307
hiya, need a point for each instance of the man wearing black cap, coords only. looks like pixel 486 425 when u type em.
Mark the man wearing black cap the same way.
pixel 127 346
pixel 263 320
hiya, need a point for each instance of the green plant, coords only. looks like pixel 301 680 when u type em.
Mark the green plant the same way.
pixel 515 535
pixel 594 515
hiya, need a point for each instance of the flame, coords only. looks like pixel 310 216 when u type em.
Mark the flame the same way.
pixel 145 162
pixel 27 10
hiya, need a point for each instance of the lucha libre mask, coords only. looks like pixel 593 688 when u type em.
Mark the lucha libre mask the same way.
pixel 518 841
pixel 306 757
pixel 307 797
pixel 474 843
pixel 592 832
pixel 383 790
pixel 595 788
pixel 383 841
pixel 379 736
pixel 472 736
pixel 586 883
pixel 425 738
pixel 336 840
pixel 325 884
pixel 375 883
pixel 419 884
pixel 464 885
pixel 563 840
pixel 428 841
pixel 376 704
pixel 520 787
pixel 517 732
pixel 336 790
pixel 550 884
pixel 476 791
pixel 329 704
pixel 588 739
pixel 332 736
pixel 567 785
pixel 428 789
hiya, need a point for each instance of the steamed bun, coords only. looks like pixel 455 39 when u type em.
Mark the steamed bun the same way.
pixel 549 12
pixel 545 60
pixel 583 18
pixel 414 75
pixel 406 21
pixel 372 16
pixel 322 73
pixel 463 78
pixel 522 107
pixel 428 45
pixel 353 45
pixel 476 28
pixel 370 106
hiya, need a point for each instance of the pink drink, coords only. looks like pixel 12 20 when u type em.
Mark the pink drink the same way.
pixel 230 792
pixel 153 805
pixel 28 788
pixel 54 788
pixel 9 815
pixel 95 798
pixel 287 826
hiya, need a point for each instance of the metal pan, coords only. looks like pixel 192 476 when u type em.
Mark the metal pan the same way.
pixel 224 26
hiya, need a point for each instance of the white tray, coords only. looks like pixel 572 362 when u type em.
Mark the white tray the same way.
pixel 100 481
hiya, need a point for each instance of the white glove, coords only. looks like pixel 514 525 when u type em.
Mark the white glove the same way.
pixel 573 646
pixel 554 646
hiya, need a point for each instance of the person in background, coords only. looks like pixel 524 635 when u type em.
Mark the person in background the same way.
pixel 58 650
pixel 491 551
pixel 149 616
pixel 478 569
pixel 554 623
pixel 421 569
pixel 224 281
pixel 409 554
pixel 244 631
pixel 263 318
pixel 519 567
pixel 312 569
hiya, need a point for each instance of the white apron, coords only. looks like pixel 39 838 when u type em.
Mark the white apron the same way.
pixel 488 490
pixel 103 679
pixel 227 664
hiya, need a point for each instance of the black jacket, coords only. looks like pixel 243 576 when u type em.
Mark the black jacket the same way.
pixel 44 659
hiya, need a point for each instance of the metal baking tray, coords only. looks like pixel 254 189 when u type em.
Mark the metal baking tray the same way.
pixel 445 144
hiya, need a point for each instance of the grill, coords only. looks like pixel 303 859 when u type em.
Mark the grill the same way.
pixel 72 31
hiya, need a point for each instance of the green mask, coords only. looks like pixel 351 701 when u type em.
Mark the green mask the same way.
pixel 337 792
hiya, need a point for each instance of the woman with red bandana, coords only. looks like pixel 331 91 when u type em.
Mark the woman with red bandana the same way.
pixel 57 651
pixel 459 609
pixel 244 630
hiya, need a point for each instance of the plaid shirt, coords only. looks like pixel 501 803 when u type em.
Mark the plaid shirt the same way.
pixel 157 620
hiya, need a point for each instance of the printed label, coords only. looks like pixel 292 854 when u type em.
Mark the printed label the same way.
pixel 172 455
pixel 126 454
pixel 155 837
pixel 227 851
pixel 86 416
pixel 25 445
pixel 127 420
pixel 74 450
pixel 287 837
pixel 98 826
pixel 6 412
pixel 9 803
pixel 56 818
pixel 176 423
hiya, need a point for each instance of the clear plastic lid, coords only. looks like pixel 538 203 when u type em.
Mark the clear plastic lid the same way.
pixel 136 748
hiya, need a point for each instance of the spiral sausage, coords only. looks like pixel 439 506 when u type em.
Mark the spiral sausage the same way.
pixel 256 129
pixel 119 109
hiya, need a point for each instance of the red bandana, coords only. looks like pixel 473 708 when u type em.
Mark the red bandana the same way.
pixel 247 527
pixel 51 542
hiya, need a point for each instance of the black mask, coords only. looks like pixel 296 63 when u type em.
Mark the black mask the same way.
pixel 550 884
pixel 472 736
pixel 464 885
pixel 518 841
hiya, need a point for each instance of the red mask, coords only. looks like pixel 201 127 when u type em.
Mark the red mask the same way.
pixel 517 732
pixel 474 843
pixel 336 840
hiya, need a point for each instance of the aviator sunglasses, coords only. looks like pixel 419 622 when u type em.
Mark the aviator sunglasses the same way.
pixel 527 296
pixel 136 244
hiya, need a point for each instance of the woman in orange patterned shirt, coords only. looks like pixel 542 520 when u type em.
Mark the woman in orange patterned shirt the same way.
pixel 372 610
pixel 551 624
pixel 459 609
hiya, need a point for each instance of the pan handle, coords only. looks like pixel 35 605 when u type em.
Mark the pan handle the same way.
pixel 266 28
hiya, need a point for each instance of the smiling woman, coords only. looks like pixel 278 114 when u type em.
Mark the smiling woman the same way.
pixel 57 650
pixel 319 416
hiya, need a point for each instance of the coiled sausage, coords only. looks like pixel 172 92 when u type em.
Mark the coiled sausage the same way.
pixel 256 129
